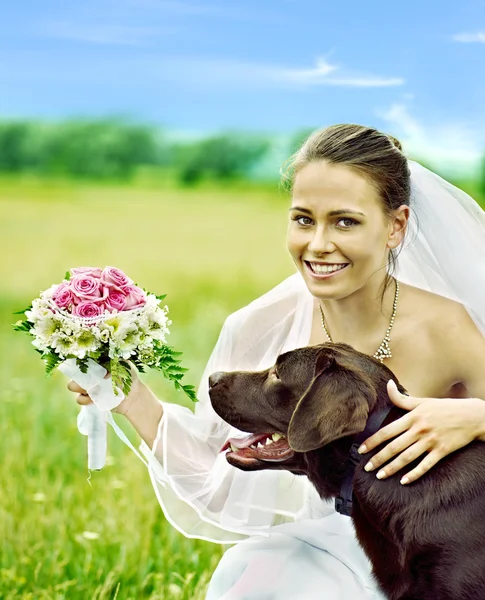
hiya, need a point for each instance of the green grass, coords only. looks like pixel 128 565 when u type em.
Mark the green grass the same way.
pixel 211 251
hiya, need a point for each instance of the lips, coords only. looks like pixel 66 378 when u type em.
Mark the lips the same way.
pixel 324 270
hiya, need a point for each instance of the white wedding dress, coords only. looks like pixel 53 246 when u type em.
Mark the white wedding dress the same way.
pixel 299 547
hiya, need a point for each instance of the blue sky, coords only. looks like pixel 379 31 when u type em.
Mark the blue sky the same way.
pixel 413 69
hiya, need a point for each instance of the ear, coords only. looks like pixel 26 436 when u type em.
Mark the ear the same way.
pixel 398 226
pixel 336 404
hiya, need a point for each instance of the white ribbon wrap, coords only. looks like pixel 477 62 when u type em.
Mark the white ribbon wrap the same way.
pixel 93 418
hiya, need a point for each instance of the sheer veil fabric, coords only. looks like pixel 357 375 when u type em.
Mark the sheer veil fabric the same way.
pixel 200 493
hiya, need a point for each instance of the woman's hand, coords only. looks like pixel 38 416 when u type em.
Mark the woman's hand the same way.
pixel 437 426
pixel 83 398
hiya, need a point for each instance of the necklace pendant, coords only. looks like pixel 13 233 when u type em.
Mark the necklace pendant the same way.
pixel 384 351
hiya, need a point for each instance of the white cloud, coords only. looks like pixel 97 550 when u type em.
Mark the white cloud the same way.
pixel 470 38
pixel 455 147
pixel 253 74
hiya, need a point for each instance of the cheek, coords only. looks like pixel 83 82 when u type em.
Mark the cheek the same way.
pixel 365 245
pixel 295 240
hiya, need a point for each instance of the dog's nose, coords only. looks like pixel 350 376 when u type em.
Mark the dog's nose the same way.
pixel 215 378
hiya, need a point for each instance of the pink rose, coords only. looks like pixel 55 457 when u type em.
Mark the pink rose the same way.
pixel 115 279
pixel 62 297
pixel 88 289
pixel 115 300
pixel 87 309
pixel 135 298
pixel 91 271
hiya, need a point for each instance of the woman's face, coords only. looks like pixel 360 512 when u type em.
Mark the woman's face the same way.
pixel 338 233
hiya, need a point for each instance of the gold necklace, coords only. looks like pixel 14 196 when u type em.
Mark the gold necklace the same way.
pixel 384 350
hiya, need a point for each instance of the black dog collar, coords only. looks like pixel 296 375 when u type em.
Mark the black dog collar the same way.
pixel 343 502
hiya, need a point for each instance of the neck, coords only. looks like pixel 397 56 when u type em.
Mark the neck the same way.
pixel 328 467
pixel 360 316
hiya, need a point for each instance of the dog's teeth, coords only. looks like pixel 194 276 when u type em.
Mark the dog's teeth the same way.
pixel 276 437
pixel 260 445
pixel 234 448
pixel 268 441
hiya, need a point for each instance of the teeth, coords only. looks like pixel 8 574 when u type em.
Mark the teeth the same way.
pixel 268 441
pixel 276 437
pixel 326 268
pixel 234 448
pixel 260 445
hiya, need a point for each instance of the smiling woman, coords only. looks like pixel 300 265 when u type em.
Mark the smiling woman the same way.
pixel 352 189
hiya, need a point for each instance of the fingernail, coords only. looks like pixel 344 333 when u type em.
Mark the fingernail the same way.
pixel 381 474
pixel 369 466
pixel 405 480
pixel 362 449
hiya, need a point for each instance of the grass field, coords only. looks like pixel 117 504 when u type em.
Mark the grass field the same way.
pixel 211 251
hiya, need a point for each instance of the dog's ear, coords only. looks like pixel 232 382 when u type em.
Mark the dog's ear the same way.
pixel 336 404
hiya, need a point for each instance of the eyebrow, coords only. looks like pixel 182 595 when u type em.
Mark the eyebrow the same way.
pixel 332 213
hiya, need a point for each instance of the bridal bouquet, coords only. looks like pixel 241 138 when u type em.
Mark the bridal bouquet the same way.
pixel 95 321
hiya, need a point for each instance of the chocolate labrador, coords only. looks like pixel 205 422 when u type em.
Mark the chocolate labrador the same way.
pixel 426 540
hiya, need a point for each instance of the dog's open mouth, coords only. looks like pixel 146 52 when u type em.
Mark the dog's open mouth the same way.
pixel 269 447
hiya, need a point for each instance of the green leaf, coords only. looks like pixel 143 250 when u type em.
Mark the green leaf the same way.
pixel 22 326
pixel 67 276
pixel 120 375
pixel 21 312
pixel 51 360
pixel 82 363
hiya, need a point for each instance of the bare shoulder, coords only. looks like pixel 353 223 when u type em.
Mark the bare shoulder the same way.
pixel 446 329
pixel 445 319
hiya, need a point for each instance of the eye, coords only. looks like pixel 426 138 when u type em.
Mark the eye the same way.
pixel 303 221
pixel 348 223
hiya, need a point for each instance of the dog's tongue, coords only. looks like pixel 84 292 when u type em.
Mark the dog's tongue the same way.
pixel 246 441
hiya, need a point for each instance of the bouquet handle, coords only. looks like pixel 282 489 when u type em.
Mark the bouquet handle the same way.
pixel 92 422
pixel 93 418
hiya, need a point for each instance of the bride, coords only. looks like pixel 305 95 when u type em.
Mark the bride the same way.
pixel 390 258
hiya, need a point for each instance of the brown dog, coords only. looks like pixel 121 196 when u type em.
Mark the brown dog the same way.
pixel 426 540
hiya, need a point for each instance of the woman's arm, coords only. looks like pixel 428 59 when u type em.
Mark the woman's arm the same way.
pixel 144 412
pixel 437 426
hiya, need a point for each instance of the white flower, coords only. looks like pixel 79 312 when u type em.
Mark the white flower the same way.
pixel 48 327
pixel 86 341
pixel 64 345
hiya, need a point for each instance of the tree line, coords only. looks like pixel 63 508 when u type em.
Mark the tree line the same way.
pixel 116 149
pixel 107 149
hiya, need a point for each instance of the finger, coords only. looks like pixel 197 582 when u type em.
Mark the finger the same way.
pixel 83 399
pixel 74 387
pixel 424 466
pixel 406 457
pixel 401 400
pixel 398 445
pixel 386 433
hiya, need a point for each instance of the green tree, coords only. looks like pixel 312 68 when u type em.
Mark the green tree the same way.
pixel 221 157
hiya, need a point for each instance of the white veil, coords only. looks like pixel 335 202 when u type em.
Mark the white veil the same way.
pixel 199 492
pixel 444 248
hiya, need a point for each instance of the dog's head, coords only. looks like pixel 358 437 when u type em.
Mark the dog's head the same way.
pixel 310 398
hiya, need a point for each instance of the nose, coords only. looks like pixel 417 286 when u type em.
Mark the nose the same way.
pixel 215 378
pixel 321 243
